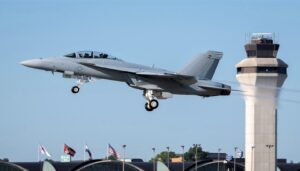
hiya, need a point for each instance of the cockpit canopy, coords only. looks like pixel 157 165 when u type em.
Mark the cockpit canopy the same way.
pixel 90 54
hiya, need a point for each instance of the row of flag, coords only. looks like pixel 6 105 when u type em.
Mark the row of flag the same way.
pixel 70 151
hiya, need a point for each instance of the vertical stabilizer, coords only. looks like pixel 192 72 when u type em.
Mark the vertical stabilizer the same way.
pixel 204 66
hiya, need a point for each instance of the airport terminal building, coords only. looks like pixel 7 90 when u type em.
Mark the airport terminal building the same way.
pixel 108 165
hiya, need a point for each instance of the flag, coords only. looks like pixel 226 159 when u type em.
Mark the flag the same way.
pixel 88 151
pixel 229 157
pixel 68 150
pixel 239 153
pixel 44 151
pixel 113 152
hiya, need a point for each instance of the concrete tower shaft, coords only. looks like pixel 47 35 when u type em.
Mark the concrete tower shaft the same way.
pixel 260 75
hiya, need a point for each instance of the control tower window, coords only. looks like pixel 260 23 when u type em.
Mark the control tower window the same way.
pixel 279 70
pixel 251 53
pixel 265 53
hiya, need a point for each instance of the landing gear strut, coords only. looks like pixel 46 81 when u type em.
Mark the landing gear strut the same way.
pixel 151 103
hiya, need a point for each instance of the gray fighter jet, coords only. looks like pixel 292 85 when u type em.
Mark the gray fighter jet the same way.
pixel 193 79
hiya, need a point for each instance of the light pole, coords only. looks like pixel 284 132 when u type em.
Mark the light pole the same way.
pixel 196 145
pixel 168 149
pixel 219 149
pixel 196 154
pixel 235 148
pixel 182 157
pixel 269 146
pixel 123 166
pixel 153 149
pixel 252 157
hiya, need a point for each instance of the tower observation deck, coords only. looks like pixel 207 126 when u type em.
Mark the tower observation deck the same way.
pixel 260 75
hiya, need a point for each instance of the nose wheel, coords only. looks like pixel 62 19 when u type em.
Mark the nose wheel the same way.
pixel 81 80
pixel 151 105
pixel 75 89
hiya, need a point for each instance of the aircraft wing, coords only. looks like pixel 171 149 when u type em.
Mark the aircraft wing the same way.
pixel 145 73
pixel 110 67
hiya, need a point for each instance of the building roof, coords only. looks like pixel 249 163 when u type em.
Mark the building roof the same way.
pixel 32 166
pixel 136 166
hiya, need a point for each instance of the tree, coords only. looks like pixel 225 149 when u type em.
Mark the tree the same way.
pixel 49 160
pixel 163 156
pixel 5 160
pixel 112 157
pixel 190 154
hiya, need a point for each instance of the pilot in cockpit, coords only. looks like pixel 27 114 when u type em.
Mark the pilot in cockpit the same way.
pixel 103 55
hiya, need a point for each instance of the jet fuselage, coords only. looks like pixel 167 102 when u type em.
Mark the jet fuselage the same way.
pixel 195 79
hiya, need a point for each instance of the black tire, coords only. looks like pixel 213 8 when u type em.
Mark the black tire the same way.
pixel 153 104
pixel 148 108
pixel 75 89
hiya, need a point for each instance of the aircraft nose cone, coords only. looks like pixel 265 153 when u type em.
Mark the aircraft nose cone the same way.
pixel 33 63
pixel 25 63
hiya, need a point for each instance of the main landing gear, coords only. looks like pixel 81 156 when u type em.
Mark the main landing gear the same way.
pixel 151 103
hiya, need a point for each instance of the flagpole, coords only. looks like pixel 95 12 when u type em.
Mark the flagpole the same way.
pixel 107 152
pixel 84 153
pixel 38 152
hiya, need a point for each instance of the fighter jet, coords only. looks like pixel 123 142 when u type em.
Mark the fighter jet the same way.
pixel 85 66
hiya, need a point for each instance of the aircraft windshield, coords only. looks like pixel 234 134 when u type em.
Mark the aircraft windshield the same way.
pixel 90 54
pixel 71 55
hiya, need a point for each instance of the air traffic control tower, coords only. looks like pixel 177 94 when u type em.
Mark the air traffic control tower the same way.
pixel 260 75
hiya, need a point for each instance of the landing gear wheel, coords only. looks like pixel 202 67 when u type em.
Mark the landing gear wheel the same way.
pixel 153 104
pixel 148 108
pixel 75 89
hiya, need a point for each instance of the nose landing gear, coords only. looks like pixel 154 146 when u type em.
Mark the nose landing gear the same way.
pixel 75 89
pixel 81 80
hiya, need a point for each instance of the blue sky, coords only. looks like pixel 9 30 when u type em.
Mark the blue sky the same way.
pixel 37 107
